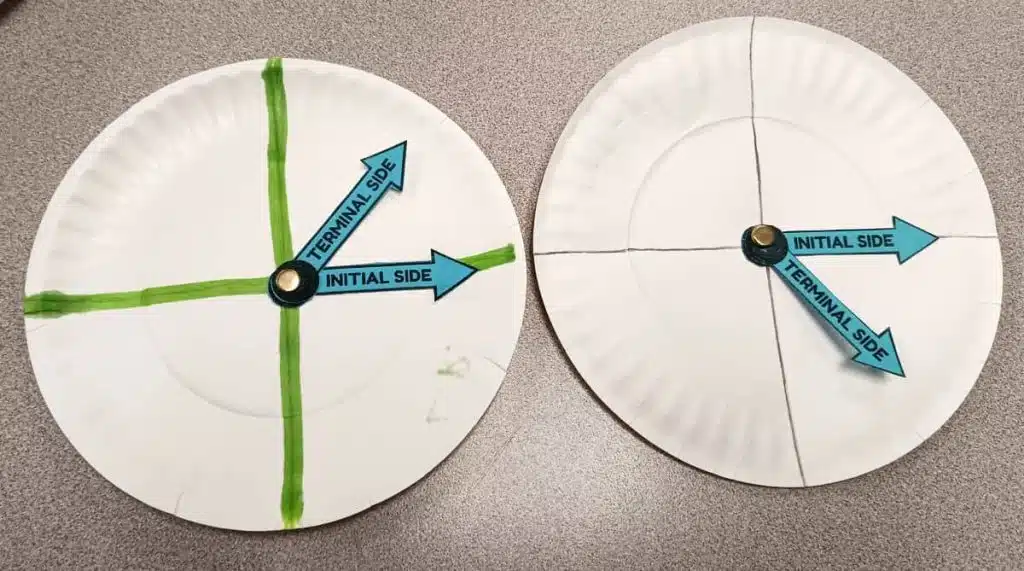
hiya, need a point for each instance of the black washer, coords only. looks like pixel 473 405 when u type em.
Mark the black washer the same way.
pixel 765 255
pixel 309 278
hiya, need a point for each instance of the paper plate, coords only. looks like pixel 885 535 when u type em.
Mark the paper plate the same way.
pixel 834 361
pixel 168 364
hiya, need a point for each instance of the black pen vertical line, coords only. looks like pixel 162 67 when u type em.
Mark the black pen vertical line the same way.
pixel 768 271
pixel 782 370
pixel 753 125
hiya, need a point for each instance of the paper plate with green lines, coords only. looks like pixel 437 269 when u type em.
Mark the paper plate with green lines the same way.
pixel 273 294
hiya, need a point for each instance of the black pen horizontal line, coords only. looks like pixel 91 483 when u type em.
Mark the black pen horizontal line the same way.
pixel 624 250
pixel 979 236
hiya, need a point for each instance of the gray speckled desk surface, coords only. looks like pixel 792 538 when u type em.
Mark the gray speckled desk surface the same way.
pixel 548 478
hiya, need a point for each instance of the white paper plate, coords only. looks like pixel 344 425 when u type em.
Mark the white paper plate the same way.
pixel 180 404
pixel 637 248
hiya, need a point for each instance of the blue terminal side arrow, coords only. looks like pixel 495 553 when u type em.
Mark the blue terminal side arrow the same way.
pixel 384 171
pixel 903 239
pixel 441 274
pixel 876 350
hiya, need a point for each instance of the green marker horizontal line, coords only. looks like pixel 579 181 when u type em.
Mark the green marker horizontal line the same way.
pixel 491 258
pixel 49 304
pixel 58 304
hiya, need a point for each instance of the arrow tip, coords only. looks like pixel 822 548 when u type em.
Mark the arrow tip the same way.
pixel 910 239
pixel 449 273
pixel 393 159
pixel 888 362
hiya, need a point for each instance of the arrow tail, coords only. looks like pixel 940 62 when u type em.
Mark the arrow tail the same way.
pixel 842 242
pixel 337 229
pixel 441 274
pixel 903 239
pixel 375 278
pixel 815 294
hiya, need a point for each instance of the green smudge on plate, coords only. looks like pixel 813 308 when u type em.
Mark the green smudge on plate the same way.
pixel 456 368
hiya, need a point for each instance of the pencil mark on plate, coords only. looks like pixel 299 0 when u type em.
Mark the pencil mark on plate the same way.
pixel 453 369
pixel 496 364
pixel 431 416
pixel 177 502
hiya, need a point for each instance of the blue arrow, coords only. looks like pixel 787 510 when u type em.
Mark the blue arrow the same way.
pixel 877 350
pixel 441 274
pixel 903 239
pixel 384 171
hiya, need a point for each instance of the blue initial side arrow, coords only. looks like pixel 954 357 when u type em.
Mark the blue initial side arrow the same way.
pixel 441 274
pixel 903 239
pixel 384 171
pixel 877 350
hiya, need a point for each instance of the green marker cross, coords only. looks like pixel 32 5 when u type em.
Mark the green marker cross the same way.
pixel 55 304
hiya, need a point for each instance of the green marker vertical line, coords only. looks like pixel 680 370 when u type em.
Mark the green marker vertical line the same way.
pixel 292 501
pixel 277 150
